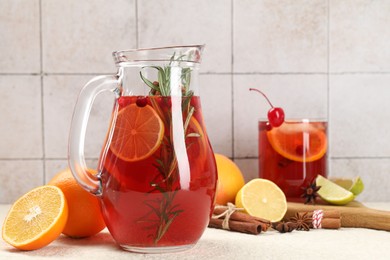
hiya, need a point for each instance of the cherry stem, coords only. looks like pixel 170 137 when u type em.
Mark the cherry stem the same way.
pixel 269 102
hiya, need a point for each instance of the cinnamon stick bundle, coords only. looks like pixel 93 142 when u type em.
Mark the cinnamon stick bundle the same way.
pixel 327 219
pixel 229 218
pixel 331 219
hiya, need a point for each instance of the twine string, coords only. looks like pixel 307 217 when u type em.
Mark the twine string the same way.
pixel 229 209
pixel 317 218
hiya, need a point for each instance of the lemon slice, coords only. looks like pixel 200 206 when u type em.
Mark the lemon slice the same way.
pixel 333 193
pixel 354 185
pixel 262 198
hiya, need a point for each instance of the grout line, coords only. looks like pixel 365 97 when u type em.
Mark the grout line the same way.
pixel 42 93
pixel 307 73
pixel 360 157
pixel 53 73
pixel 279 73
pixel 240 158
pixel 333 158
pixel 232 70
pixel 136 25
pixel 329 111
pixel 42 158
pixel 203 73
pixel 19 74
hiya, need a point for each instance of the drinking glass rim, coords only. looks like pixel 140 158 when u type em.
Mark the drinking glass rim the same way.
pixel 304 119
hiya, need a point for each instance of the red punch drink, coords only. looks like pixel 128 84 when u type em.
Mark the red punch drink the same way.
pixel 293 154
pixel 159 187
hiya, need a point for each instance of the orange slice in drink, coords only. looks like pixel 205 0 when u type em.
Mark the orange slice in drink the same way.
pixel 196 140
pixel 36 218
pixel 299 141
pixel 138 133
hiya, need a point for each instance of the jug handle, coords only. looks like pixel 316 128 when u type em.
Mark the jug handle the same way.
pixel 76 158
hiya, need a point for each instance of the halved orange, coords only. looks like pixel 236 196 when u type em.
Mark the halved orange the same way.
pixel 299 141
pixel 138 133
pixel 36 219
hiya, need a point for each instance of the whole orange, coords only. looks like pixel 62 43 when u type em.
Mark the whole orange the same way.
pixel 230 180
pixel 84 218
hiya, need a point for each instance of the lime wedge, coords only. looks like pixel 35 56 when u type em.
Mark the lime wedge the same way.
pixel 354 185
pixel 333 193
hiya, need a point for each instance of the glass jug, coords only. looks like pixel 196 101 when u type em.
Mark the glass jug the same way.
pixel 156 174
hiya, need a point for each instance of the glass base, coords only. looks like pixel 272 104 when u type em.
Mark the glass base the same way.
pixel 157 249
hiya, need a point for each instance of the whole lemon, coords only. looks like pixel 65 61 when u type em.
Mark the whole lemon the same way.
pixel 230 180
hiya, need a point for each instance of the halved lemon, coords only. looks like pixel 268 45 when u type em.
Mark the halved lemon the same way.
pixel 138 133
pixel 262 198
pixel 299 141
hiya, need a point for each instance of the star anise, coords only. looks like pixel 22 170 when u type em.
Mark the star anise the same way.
pixel 302 221
pixel 310 193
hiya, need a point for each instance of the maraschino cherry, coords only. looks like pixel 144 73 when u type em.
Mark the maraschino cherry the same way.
pixel 275 114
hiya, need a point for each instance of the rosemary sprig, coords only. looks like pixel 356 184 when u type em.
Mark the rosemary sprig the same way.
pixel 163 211
pixel 163 85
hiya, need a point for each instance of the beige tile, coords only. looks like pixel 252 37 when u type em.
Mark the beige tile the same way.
pixel 216 95
pixel 60 95
pixel 359 35
pixel 280 36
pixel 373 172
pixel 18 177
pixel 178 22
pixel 52 167
pixel 20 106
pixel 360 112
pixel 79 37
pixel 299 95
pixel 249 168
pixel 20 40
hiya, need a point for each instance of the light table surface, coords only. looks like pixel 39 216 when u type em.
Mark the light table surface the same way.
pixel 345 243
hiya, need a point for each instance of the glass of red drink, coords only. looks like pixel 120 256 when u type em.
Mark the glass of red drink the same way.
pixel 293 154
pixel 157 174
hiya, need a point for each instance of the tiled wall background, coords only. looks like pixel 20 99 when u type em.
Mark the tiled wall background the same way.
pixel 322 58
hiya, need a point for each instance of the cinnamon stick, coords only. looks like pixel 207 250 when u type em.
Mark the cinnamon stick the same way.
pixel 328 214
pixel 331 223
pixel 331 219
pixel 243 217
pixel 228 218
pixel 243 227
